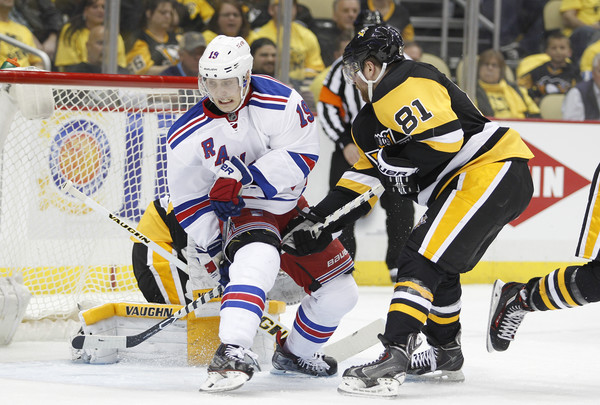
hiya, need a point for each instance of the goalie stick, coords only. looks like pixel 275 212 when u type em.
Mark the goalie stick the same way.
pixel 315 230
pixel 123 342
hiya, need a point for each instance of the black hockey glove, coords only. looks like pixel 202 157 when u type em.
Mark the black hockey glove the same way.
pixel 399 175
pixel 303 239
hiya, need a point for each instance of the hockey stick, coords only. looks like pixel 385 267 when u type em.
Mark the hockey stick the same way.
pixel 122 342
pixel 267 324
pixel 355 342
pixel 316 229
pixel 69 189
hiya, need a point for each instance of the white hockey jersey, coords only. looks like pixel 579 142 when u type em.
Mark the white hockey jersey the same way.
pixel 274 133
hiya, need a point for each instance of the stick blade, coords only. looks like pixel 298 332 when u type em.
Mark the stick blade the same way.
pixel 353 344
pixel 99 342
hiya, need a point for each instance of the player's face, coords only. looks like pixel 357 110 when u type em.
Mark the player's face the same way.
pixel 225 93
pixel 559 50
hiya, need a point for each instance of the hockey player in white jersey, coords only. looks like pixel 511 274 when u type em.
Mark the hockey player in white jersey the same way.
pixel 238 163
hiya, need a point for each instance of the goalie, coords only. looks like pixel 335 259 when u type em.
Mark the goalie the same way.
pixel 162 282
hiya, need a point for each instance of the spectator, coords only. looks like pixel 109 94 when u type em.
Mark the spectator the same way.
pixel 305 52
pixel 229 19
pixel 582 19
pixel 521 26
pixel 582 101
pixel 413 50
pixel 18 32
pixel 328 31
pixel 43 19
pixel 495 97
pixel 191 47
pixel 72 42
pixel 585 64
pixel 199 12
pixel 557 75
pixel 95 51
pixel 393 14
pixel 156 47
pixel 264 52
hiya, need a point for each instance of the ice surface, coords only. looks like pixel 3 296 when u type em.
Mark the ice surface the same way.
pixel 553 360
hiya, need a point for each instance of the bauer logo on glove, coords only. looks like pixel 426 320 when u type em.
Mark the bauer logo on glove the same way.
pixel 399 175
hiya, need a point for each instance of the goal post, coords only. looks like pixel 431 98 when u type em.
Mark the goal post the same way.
pixel 107 135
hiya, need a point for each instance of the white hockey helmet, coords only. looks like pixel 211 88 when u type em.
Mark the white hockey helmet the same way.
pixel 226 57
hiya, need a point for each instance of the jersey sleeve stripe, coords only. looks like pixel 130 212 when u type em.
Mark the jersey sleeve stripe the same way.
pixel 191 210
pixel 269 106
pixel 305 162
pixel 263 183
pixel 364 180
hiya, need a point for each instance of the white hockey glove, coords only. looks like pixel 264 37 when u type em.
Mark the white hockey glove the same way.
pixel 211 260
pixel 399 175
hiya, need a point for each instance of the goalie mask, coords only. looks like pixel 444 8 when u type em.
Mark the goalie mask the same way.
pixel 224 72
pixel 380 42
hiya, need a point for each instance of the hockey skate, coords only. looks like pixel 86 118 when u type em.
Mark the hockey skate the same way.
pixel 317 366
pixel 230 368
pixel 382 377
pixel 439 363
pixel 507 309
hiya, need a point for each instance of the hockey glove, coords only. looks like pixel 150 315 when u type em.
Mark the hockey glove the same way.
pixel 303 239
pixel 399 175
pixel 212 260
pixel 225 194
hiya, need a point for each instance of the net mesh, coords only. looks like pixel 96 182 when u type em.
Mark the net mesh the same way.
pixel 110 143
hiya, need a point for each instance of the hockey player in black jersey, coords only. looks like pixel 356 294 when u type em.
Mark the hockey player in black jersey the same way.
pixel 566 287
pixel 421 136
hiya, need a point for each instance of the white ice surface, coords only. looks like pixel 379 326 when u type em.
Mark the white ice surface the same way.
pixel 553 360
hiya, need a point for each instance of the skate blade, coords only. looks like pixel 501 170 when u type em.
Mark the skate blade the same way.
pixel 496 292
pixel 297 374
pixel 437 377
pixel 385 388
pixel 216 382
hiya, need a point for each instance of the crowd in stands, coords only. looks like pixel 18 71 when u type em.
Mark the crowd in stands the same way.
pixel 166 37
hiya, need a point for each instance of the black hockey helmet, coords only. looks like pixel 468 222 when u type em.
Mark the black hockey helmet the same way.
pixel 367 18
pixel 382 42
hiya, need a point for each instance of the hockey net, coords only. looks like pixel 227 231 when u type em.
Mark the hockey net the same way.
pixel 107 135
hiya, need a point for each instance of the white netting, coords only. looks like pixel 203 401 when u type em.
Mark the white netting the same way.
pixel 110 142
